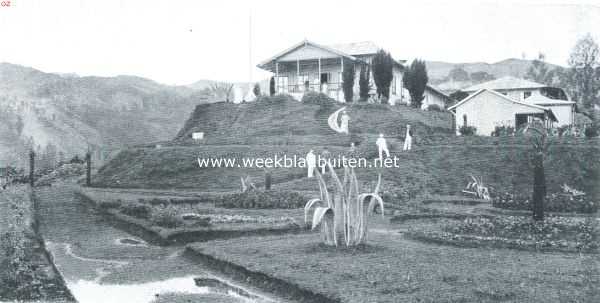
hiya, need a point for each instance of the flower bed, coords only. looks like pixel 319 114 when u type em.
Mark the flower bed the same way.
pixel 262 199
pixel 559 202
pixel 554 233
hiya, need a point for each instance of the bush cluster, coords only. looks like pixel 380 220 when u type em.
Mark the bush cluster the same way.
pixel 554 202
pixel 467 130
pixel 262 199
pixel 317 99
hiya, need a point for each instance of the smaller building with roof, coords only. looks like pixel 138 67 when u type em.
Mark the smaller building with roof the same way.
pixel 525 94
pixel 486 109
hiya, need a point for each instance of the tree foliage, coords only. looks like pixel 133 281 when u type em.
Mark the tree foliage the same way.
pixel 364 85
pixel 383 65
pixel 348 82
pixel 584 61
pixel 415 80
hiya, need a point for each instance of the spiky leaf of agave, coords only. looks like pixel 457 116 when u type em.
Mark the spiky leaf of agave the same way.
pixel 320 212
pixel 308 206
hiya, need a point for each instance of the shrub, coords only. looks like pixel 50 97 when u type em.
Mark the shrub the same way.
pixel 137 210
pixel 167 217
pixel 503 131
pixel 261 199
pixel 435 108
pixel 591 131
pixel 467 130
pixel 317 99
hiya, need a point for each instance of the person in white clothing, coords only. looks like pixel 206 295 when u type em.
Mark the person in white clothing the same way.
pixel 344 123
pixel 382 147
pixel 408 139
pixel 311 163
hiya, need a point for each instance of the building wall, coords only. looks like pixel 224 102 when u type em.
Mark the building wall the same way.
pixel 564 114
pixel 431 99
pixel 487 110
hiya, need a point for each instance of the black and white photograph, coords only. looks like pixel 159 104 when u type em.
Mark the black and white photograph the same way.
pixel 312 151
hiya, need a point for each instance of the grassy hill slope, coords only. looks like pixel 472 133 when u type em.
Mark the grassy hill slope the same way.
pixel 285 121
pixel 440 163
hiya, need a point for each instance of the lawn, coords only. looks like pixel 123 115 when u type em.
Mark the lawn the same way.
pixel 393 269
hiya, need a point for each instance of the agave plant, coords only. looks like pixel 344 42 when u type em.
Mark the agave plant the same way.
pixel 476 188
pixel 343 213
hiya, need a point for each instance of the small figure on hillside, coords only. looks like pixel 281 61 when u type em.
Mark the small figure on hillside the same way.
pixel 382 147
pixel 344 123
pixel 352 149
pixel 408 139
pixel 324 159
pixel 311 163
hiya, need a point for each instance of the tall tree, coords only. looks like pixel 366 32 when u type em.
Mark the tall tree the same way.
pixel 583 60
pixel 348 82
pixel 364 85
pixel 272 86
pixel 415 80
pixel 540 144
pixel 383 65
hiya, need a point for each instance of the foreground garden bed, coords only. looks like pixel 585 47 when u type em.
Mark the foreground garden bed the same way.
pixel 565 234
pixel 26 269
pixel 392 269
pixel 179 221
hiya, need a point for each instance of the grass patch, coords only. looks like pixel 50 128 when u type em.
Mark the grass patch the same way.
pixel 392 269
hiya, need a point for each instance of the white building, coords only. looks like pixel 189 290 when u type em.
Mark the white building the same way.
pixel 530 92
pixel 308 66
pixel 486 109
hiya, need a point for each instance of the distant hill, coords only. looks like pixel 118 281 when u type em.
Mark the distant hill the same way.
pixel 439 72
pixel 71 113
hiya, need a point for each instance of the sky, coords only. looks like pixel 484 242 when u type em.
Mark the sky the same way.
pixel 178 42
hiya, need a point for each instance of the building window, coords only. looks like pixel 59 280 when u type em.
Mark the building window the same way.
pixel 526 94
pixel 394 85
pixel 465 120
